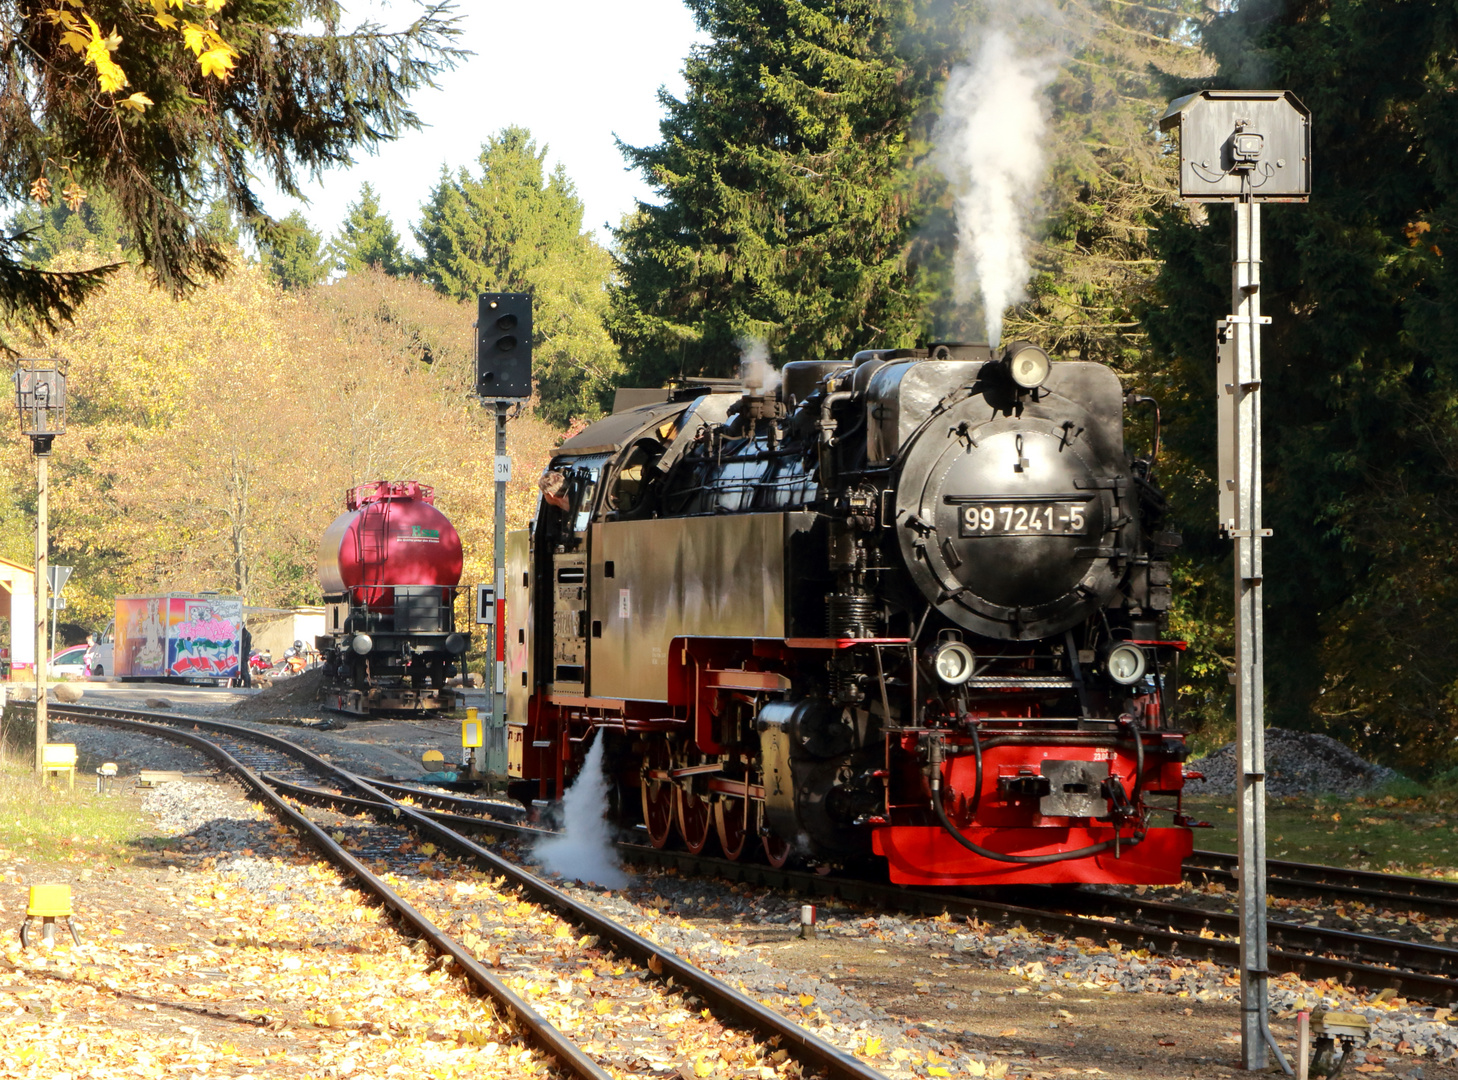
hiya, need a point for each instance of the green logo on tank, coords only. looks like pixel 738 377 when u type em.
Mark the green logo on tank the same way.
pixel 417 532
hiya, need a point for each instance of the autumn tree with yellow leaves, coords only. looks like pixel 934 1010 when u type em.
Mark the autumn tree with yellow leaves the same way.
pixel 171 104
pixel 210 439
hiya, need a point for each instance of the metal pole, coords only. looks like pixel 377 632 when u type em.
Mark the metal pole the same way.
pixel 498 545
pixel 1249 676
pixel 42 536
pixel 52 606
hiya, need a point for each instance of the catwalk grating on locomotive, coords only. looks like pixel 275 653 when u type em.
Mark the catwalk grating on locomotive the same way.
pixel 911 607
pixel 390 568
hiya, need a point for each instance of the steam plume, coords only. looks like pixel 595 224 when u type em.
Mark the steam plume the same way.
pixel 585 849
pixel 989 141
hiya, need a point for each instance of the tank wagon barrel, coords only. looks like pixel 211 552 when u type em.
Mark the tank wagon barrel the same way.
pixel 908 607
pixel 390 569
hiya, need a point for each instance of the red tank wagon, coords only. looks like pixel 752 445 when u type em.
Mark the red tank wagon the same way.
pixel 390 568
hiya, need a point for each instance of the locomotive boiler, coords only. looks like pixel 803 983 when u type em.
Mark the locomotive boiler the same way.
pixel 909 607
pixel 390 569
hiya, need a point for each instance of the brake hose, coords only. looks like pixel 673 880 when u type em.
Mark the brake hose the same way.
pixel 934 764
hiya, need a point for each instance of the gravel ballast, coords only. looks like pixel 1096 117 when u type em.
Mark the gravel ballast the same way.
pixel 1297 763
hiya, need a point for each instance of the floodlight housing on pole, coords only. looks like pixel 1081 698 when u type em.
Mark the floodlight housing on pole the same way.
pixel 1246 148
pixel 40 399
pixel 1238 145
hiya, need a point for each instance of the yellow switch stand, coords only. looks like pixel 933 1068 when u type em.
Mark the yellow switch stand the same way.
pixel 49 903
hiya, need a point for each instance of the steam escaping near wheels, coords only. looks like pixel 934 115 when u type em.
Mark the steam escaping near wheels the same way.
pixel 585 850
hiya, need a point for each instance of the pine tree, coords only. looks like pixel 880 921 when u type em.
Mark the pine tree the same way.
pixel 514 228
pixel 293 256
pixel 786 198
pixel 95 224
pixel 368 238
pixel 297 92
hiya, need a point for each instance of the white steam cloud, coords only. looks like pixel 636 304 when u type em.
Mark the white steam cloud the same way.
pixel 989 146
pixel 585 849
pixel 755 370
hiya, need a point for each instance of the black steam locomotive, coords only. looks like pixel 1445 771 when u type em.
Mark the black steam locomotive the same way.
pixel 912 606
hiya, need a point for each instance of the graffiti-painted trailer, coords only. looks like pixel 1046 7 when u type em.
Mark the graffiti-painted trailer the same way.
pixel 174 636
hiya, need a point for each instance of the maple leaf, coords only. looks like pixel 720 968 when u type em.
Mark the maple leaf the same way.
pixel 806 1000
pixel 937 1070
pixel 194 37
pixel 874 1046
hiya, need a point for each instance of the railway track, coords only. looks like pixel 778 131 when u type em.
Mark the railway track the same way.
pixel 1295 880
pixel 273 768
pixel 1417 970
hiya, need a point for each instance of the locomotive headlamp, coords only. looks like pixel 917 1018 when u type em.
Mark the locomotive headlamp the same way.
pixel 1125 664
pixel 1027 364
pixel 953 663
pixel 362 644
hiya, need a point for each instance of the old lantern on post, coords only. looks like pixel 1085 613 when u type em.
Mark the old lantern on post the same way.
pixel 40 398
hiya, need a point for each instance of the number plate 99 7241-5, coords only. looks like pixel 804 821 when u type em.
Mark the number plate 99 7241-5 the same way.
pixel 1023 519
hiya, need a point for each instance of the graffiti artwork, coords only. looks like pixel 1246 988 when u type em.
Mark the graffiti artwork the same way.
pixel 186 637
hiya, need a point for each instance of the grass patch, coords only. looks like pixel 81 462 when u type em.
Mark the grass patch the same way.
pixel 55 822
pixel 1404 828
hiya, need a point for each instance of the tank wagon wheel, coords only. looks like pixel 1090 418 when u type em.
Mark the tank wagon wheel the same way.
pixel 732 824
pixel 657 796
pixel 776 850
pixel 695 820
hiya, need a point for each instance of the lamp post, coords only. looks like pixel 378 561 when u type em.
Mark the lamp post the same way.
pixel 40 398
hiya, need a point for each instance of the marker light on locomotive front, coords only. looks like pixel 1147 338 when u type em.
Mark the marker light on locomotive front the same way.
pixel 390 566
pixel 910 606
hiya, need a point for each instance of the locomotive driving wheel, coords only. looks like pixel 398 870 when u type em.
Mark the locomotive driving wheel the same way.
pixel 657 794
pixel 776 850
pixel 731 822
pixel 695 819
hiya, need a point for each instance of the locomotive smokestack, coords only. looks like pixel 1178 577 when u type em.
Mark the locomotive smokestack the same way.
pixel 757 375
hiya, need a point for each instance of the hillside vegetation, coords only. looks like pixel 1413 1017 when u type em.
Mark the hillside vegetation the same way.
pixel 211 439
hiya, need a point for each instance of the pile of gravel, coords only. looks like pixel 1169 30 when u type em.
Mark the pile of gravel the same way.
pixel 1297 763
pixel 285 696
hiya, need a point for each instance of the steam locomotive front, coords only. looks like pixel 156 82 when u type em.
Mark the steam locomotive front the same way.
pixel 1032 541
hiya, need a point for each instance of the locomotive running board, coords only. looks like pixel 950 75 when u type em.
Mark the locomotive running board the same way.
pixel 380 700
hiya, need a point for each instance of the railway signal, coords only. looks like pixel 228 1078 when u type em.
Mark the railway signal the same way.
pixel 503 377
pixel 504 345
pixel 1245 148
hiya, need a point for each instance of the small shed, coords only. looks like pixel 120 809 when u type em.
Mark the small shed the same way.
pixel 17 603
pixel 275 629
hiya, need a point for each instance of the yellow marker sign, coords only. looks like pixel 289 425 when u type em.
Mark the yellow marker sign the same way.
pixel 470 729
